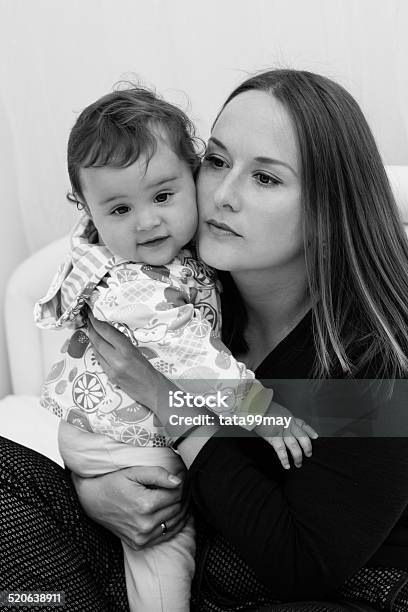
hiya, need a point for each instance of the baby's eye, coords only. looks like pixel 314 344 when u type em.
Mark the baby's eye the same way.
pixel 120 210
pixel 214 161
pixel 266 180
pixel 163 198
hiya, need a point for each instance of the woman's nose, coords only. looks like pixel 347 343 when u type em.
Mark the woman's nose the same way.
pixel 226 194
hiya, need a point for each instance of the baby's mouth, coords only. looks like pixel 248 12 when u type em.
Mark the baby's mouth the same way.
pixel 154 242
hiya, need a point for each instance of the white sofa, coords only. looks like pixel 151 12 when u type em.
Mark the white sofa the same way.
pixel 31 351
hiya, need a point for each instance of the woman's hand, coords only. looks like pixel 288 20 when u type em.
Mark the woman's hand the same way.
pixel 125 366
pixel 133 503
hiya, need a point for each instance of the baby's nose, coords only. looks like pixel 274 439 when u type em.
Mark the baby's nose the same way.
pixel 147 220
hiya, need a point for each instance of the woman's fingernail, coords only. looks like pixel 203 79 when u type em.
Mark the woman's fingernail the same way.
pixel 175 479
pixel 308 453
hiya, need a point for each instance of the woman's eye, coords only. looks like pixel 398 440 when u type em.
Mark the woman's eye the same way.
pixel 120 210
pixel 266 180
pixel 162 198
pixel 214 161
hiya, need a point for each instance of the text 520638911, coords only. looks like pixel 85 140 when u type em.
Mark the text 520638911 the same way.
pixel 11 599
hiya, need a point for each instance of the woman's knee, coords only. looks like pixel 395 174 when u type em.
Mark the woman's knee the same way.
pixel 27 473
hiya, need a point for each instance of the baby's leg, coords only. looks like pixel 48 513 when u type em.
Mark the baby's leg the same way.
pixel 158 579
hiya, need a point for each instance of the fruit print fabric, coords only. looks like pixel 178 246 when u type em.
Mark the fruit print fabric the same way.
pixel 170 312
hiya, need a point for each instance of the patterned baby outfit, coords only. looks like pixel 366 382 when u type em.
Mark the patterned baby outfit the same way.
pixel 171 313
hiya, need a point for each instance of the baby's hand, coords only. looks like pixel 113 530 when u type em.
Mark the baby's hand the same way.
pixel 295 437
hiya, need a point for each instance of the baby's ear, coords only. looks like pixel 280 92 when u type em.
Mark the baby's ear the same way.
pixel 74 199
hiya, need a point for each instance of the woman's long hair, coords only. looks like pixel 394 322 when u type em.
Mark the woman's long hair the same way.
pixel 356 248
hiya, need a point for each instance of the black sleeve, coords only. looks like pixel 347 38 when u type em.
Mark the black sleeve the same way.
pixel 303 531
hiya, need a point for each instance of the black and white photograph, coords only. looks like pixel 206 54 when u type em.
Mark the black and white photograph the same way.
pixel 204 305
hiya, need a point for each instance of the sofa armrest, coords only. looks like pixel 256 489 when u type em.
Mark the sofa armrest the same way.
pixel 32 351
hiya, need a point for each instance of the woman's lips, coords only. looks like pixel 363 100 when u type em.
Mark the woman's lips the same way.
pixel 218 228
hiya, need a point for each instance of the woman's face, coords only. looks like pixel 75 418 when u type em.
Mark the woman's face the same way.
pixel 248 187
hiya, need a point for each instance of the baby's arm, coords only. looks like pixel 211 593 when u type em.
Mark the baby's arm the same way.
pixel 285 432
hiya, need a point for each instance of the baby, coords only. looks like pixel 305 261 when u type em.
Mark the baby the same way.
pixel 132 161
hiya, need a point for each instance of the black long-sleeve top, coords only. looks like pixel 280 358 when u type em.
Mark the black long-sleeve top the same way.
pixel 305 531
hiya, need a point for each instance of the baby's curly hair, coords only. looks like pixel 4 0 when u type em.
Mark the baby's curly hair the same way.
pixel 119 127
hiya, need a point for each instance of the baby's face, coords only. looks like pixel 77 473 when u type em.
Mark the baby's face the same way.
pixel 146 216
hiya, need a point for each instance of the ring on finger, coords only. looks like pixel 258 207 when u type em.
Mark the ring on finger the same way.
pixel 163 528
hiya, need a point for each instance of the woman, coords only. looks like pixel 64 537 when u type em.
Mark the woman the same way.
pixel 295 204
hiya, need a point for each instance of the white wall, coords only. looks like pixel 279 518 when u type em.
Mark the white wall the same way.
pixel 56 56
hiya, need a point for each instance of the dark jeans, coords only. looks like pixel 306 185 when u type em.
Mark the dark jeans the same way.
pixel 47 543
